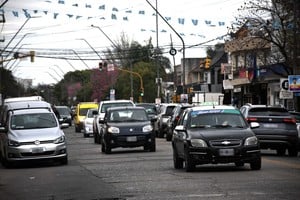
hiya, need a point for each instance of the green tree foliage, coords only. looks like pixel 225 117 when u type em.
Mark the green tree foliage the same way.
pixel 9 87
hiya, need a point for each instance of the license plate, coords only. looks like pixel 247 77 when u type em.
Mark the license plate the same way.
pixel 38 150
pixel 226 152
pixel 271 125
pixel 131 139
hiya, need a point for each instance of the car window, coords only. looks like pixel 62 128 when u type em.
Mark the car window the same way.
pixel 32 121
pixel 217 118
pixel 105 106
pixel 268 111
pixel 127 115
pixel 63 111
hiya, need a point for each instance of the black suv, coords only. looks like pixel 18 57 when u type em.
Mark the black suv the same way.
pixel 277 130
pixel 214 134
pixel 174 119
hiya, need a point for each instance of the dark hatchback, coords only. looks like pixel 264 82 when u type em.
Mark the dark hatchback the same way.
pixel 277 127
pixel 212 135
pixel 127 127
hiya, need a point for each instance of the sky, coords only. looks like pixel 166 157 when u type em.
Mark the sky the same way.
pixel 54 28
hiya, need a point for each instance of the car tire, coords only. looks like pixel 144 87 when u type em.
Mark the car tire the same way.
pixel 189 163
pixel 281 151
pixel 256 164
pixel 64 161
pixel 168 137
pixel 178 162
pixel 293 152
pixel 77 129
pixel 239 164
pixel 152 147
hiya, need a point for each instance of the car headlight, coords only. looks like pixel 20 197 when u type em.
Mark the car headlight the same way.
pixel 113 130
pixel 61 139
pixel 198 143
pixel 251 141
pixel 13 143
pixel 147 128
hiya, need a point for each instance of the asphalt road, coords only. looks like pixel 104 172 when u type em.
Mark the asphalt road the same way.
pixel 135 174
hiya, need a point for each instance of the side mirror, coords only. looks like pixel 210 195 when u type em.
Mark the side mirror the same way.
pixel 3 129
pixel 180 128
pixel 64 125
pixel 254 125
pixel 95 112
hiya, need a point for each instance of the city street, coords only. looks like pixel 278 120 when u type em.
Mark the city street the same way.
pixel 135 174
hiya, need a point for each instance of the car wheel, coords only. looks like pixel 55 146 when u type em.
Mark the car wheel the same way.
pixel 161 134
pixel 152 147
pixel 64 161
pixel 256 165
pixel 189 163
pixel 293 152
pixel 168 137
pixel 281 151
pixel 178 162
pixel 239 164
pixel 77 129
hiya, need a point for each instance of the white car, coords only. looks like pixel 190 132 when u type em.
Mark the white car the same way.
pixel 88 122
pixel 31 133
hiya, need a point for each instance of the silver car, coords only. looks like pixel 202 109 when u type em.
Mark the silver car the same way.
pixel 32 134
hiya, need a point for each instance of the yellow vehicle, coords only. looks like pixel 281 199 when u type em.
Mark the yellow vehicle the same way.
pixel 80 113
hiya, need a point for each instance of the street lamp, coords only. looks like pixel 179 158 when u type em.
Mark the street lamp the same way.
pixel 91 47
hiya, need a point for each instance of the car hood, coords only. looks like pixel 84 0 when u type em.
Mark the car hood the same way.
pixel 36 134
pixel 221 133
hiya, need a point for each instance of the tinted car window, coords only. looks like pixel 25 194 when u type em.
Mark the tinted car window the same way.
pixel 268 111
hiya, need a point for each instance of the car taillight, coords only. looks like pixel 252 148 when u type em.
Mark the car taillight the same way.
pixel 251 119
pixel 289 120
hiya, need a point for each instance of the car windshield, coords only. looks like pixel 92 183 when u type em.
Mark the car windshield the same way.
pixel 127 115
pixel 83 111
pixel 108 105
pixel 216 119
pixel 33 121
pixel 63 111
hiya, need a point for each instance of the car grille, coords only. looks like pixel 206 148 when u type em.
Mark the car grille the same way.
pixel 225 143
pixel 29 154
pixel 33 142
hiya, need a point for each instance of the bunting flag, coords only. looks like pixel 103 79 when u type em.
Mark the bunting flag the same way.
pixel 123 14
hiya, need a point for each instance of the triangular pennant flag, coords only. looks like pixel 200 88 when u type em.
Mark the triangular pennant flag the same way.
pixel 76 4
pixel 181 20
pixel 102 7
pixel 221 23
pixel 141 12
pixel 61 1
pixel 195 22
pixel 77 17
pixel 46 12
pixel 113 16
pixel 168 18
pixel 70 15
pixel 125 18
pixel 128 11
pixel 115 9
pixel 88 5
pixel 55 15
pixel 15 13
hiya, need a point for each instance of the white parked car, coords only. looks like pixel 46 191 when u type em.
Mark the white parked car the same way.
pixel 88 122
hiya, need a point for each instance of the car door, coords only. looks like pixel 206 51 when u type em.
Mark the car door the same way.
pixel 180 134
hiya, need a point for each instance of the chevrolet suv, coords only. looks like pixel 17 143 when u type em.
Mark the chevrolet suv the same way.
pixel 212 135
pixel 277 130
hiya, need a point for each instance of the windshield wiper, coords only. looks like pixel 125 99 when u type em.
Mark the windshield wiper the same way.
pixel 221 125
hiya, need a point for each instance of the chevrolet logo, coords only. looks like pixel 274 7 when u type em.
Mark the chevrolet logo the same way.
pixel 225 142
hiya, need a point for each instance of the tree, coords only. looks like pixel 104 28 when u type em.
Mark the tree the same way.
pixel 9 87
pixel 131 55
pixel 277 22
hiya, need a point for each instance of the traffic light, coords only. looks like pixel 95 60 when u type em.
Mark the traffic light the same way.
pixel 142 92
pixel 100 66
pixel 32 54
pixel 207 63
